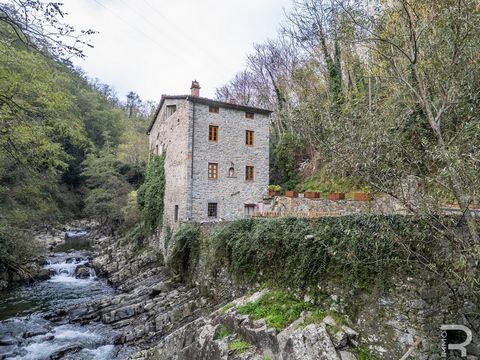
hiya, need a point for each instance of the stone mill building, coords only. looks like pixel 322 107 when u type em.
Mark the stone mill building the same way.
pixel 216 160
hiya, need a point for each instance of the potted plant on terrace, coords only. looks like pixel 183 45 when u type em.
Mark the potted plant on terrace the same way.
pixel 311 194
pixel 290 193
pixel 360 196
pixel 274 190
pixel 336 196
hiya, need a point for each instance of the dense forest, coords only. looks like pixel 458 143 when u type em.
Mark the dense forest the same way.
pixel 69 147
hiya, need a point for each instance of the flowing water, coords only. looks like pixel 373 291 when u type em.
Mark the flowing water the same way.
pixel 26 332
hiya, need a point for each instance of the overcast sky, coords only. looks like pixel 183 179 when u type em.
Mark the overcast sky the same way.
pixel 156 47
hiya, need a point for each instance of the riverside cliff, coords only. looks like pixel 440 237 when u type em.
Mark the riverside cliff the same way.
pixel 190 307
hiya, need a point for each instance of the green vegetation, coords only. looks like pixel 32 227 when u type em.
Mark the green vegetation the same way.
pixel 368 102
pixel 67 147
pixel 325 181
pixel 313 317
pixel 364 353
pixel 16 248
pixel 274 188
pixel 186 252
pixel 222 333
pixel 227 307
pixel 151 193
pixel 239 346
pixel 285 154
pixel 361 250
pixel 278 308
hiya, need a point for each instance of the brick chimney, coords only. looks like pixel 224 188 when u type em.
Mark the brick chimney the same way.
pixel 195 88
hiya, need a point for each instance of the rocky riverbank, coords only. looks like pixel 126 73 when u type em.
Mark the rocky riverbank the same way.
pixel 153 314
pixel 164 318
pixel 45 239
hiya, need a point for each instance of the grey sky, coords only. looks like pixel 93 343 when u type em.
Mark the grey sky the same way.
pixel 156 47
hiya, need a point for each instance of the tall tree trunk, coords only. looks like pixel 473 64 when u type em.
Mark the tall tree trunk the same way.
pixel 454 179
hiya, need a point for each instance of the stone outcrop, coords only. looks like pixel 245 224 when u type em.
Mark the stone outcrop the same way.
pixel 202 340
pixel 163 318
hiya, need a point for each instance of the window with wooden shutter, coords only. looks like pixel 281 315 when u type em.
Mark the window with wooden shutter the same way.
pixel 171 109
pixel 249 173
pixel 214 109
pixel 249 137
pixel 213 133
pixel 212 170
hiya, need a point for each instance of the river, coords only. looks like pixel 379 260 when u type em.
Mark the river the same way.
pixel 30 327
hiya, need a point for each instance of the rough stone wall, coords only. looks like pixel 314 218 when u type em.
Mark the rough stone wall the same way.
pixel 293 206
pixel 171 135
pixel 230 193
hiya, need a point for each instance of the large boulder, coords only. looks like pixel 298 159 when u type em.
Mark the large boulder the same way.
pixel 82 272
pixel 310 343
pixel 42 275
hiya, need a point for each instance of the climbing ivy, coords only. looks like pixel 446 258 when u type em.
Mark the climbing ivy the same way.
pixel 186 252
pixel 361 250
pixel 150 194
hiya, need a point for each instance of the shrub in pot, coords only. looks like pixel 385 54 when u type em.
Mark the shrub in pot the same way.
pixel 274 190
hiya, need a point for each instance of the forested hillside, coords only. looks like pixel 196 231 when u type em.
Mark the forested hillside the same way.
pixel 372 95
pixel 69 147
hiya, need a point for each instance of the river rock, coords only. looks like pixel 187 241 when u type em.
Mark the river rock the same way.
pixel 3 284
pixel 346 355
pixel 8 340
pixel 43 274
pixel 82 272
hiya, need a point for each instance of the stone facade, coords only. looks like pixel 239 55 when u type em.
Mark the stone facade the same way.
pixel 184 135
pixel 170 134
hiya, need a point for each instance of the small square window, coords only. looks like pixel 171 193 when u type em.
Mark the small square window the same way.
pixel 212 210
pixel 249 173
pixel 249 210
pixel 249 115
pixel 249 137
pixel 212 170
pixel 213 133
pixel 170 110
pixel 214 109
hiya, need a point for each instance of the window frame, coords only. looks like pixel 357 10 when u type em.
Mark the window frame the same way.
pixel 249 173
pixel 213 109
pixel 212 208
pixel 249 115
pixel 167 107
pixel 213 133
pixel 212 171
pixel 249 137
pixel 246 208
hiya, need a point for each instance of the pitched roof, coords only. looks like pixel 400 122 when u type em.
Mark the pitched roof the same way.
pixel 206 101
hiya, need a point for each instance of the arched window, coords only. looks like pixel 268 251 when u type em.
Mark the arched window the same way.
pixel 231 170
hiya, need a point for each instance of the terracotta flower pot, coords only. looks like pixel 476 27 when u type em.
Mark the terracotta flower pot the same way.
pixel 360 196
pixel 311 194
pixel 273 193
pixel 336 196
pixel 291 194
